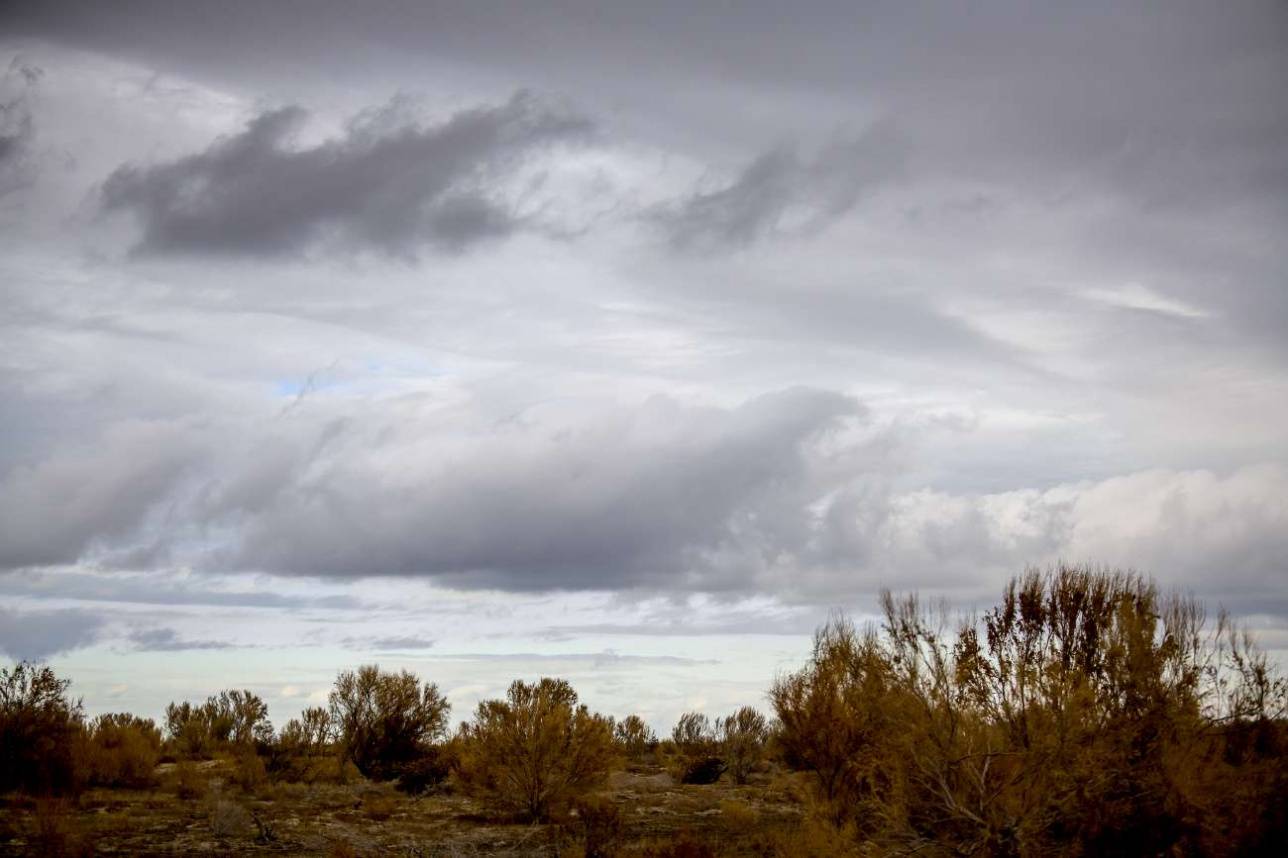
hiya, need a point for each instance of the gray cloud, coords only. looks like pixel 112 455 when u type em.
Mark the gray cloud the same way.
pixel 168 640
pixel 386 184
pixel 782 193
pixel 392 643
pixel 39 634
pixel 17 128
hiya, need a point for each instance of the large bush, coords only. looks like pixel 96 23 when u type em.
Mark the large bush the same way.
pixel 386 721
pixel 1086 714
pixel 40 731
pixel 122 750
pixel 536 750
pixel 634 737
pixel 230 718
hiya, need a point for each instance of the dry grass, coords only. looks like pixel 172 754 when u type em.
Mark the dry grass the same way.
pixel 639 813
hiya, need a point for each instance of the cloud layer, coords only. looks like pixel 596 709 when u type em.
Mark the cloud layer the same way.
pixel 386 183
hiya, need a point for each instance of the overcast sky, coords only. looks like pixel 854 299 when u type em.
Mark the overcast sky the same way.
pixel 622 341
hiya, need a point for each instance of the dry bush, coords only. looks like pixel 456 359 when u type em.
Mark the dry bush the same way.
pixel 536 750
pixel 742 738
pixel 54 837
pixel 249 772
pixel 121 750
pixel 1083 715
pixel 232 718
pixel 379 807
pixel 601 826
pixel 383 721
pixel 634 737
pixel 738 816
pixel 229 819
pixel 41 731
pixel 429 771
pixel 188 781
pixel 696 758
pixel 682 845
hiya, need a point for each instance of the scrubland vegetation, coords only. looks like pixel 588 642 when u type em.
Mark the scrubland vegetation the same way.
pixel 1085 714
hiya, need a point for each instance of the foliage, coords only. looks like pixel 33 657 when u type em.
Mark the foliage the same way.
pixel 230 718
pixel 121 750
pixel 633 736
pixel 535 750
pixel 40 730
pixel 742 738
pixel 1085 714
pixel 383 720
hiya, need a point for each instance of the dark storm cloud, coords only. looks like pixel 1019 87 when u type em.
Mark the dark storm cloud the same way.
pixel 169 640
pixel 17 128
pixel 385 184
pixel 40 634
pixel 782 193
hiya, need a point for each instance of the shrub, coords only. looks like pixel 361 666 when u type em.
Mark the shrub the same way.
pixel 535 750
pixel 742 738
pixel 122 750
pixel 230 718
pixel 308 735
pixel 385 720
pixel 249 771
pixel 1085 714
pixel 601 827
pixel 40 730
pixel 634 737
pixel 696 760
pixel 427 772
pixel 188 782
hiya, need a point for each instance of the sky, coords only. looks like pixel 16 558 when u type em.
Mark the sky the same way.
pixel 622 342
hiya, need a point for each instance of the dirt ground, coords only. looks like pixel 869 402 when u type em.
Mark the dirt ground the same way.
pixel 364 818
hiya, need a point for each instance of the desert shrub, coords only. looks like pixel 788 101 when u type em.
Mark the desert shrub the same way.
pixel 54 836
pixel 188 782
pixel 379 807
pixel 41 732
pixel 383 720
pixel 230 718
pixel 738 816
pixel 601 826
pixel 1085 714
pixel 249 771
pixel 308 735
pixel 696 758
pixel 536 750
pixel 682 845
pixel 228 818
pixel 742 738
pixel 428 771
pixel 634 737
pixel 121 750
pixel 703 770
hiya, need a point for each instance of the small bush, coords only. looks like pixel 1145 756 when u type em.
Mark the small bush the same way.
pixel 536 750
pixel 428 772
pixel 601 827
pixel 738 816
pixel 188 782
pixel 249 772
pixel 742 741
pixel 703 771
pixel 634 738
pixel 379 807
pixel 229 819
